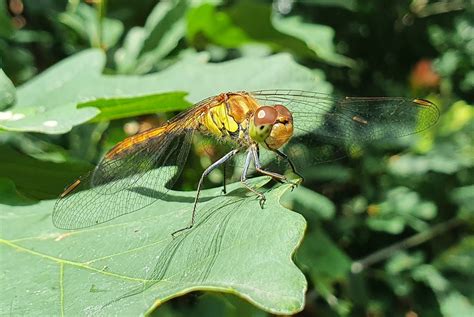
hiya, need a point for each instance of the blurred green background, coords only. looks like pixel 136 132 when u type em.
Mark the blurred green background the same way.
pixel 389 232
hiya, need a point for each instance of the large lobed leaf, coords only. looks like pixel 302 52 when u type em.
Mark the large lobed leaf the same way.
pixel 53 102
pixel 132 265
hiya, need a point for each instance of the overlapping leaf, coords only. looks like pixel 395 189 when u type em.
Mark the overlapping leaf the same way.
pixel 49 103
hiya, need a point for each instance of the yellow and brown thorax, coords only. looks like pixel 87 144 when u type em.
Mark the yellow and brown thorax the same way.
pixel 228 116
pixel 241 118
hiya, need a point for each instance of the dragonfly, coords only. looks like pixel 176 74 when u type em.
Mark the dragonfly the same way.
pixel 142 168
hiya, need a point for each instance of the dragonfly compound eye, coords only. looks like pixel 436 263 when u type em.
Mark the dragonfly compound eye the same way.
pixel 282 130
pixel 265 115
pixel 262 123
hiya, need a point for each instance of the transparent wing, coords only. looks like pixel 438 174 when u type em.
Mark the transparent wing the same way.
pixel 324 122
pixel 126 180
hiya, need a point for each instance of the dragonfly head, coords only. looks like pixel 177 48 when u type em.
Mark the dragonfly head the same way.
pixel 271 126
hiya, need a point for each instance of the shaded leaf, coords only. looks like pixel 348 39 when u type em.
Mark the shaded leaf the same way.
pixel 84 21
pixel 402 207
pixel 144 47
pixel 35 178
pixel 458 258
pixel 10 196
pixel 346 4
pixel 324 261
pixel 211 304
pixel 451 301
pixel 7 92
pixel 308 201
pixel 6 26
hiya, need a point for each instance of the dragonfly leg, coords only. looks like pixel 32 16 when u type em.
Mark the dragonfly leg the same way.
pixel 201 180
pixel 258 167
pixel 243 179
pixel 277 177
pixel 283 155
pixel 224 190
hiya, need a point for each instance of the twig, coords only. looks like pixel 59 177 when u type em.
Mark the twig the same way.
pixel 419 238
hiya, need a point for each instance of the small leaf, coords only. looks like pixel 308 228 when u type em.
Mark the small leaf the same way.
pixel 319 38
pixel 325 262
pixel 451 301
pixel 402 207
pixel 458 258
pixel 250 22
pixel 403 261
pixel 129 107
pixel 144 47
pixel 6 25
pixel 306 200
pixel 84 21
pixel 456 304
pixel 7 92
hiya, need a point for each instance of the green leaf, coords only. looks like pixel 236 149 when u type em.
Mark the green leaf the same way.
pixel 251 22
pixel 458 258
pixel 118 108
pixel 402 261
pixel 10 196
pixel 16 62
pixel 402 207
pixel 35 178
pixel 211 304
pixel 7 92
pixel 215 26
pixel 464 197
pixel 451 301
pixel 131 265
pixel 48 102
pixel 325 262
pixel 144 47
pixel 84 21
pixel 6 26
pixel 308 201
pixel 456 305
pixel 319 38
pixel 346 4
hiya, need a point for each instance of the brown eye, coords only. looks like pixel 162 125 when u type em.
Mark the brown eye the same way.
pixel 283 113
pixel 265 115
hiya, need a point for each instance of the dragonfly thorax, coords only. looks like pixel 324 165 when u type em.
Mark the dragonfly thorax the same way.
pixel 228 118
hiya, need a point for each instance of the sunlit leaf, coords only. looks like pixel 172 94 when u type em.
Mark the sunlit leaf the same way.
pixel 132 265
pixel 48 103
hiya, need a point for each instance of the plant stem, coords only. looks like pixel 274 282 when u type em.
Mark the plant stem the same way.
pixel 419 238
pixel 100 6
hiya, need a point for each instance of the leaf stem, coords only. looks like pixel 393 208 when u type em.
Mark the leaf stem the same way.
pixel 419 238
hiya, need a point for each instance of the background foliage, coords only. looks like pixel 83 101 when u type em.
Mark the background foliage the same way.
pixel 388 232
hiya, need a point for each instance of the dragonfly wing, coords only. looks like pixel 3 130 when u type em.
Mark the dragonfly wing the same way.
pixel 325 122
pixel 133 175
